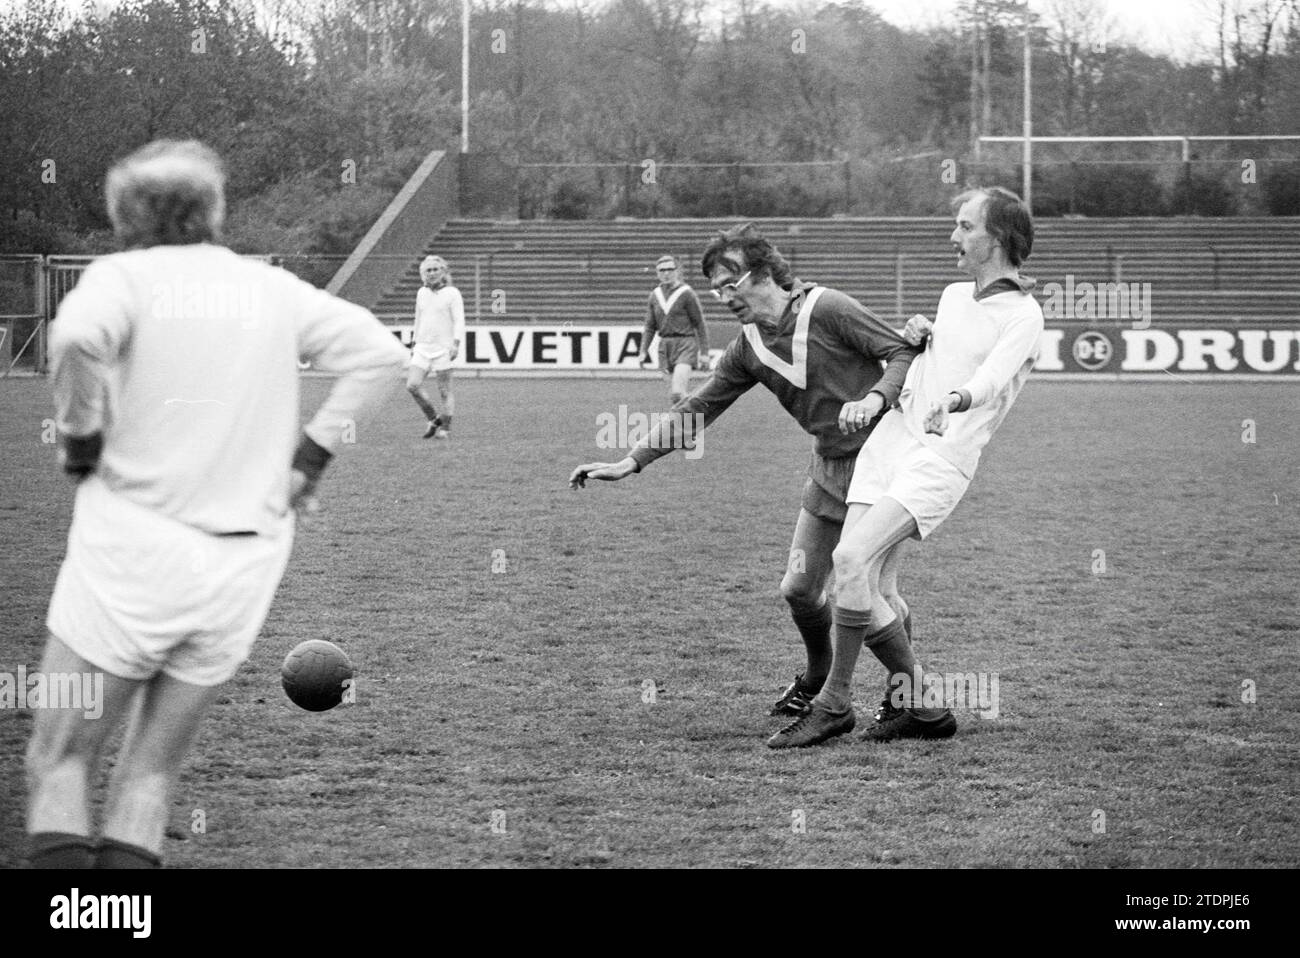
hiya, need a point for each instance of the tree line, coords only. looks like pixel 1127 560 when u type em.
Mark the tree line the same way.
pixel 322 108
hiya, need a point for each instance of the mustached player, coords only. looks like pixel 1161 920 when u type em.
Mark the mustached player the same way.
pixel 175 373
pixel 917 464
pixel 439 331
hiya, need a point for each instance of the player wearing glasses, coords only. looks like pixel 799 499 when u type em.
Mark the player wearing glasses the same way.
pixel 819 351
pixel 674 313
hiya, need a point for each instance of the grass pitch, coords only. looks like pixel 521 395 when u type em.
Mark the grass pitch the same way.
pixel 502 716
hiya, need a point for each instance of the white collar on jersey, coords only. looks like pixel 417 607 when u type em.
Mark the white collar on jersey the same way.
pixel 796 371
pixel 667 304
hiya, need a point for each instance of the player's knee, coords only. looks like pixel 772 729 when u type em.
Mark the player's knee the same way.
pixel 799 592
pixel 413 388
pixel 850 564
pixel 45 755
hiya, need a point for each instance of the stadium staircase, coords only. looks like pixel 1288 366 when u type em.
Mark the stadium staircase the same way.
pixel 1203 272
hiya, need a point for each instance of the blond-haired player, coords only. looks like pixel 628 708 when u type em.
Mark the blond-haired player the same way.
pixel 439 331
pixel 175 376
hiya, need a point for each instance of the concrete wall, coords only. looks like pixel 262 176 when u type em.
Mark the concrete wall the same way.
pixel 399 236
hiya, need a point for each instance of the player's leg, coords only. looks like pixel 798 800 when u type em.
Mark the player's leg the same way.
pixel 804 589
pixel 162 732
pixel 415 375
pixel 889 586
pixel 443 379
pixel 62 755
pixel 681 382
pixel 196 668
pixel 930 487
pixel 889 590
pixel 860 615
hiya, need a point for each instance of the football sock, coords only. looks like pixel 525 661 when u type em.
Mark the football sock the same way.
pixel 815 627
pixel 426 407
pixel 903 612
pixel 60 850
pixel 850 629
pixel 114 854
pixel 892 647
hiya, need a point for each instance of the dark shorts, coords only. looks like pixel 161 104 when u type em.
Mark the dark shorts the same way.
pixel 674 350
pixel 827 486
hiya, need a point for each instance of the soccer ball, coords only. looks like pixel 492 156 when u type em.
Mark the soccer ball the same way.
pixel 315 675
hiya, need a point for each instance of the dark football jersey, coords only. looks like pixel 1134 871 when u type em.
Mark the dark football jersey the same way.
pixel 827 350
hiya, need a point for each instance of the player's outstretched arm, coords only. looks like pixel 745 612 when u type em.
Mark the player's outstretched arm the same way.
pixel 606 471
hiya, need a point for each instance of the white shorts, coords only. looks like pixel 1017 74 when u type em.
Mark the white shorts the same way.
pixel 895 464
pixel 430 358
pixel 140 593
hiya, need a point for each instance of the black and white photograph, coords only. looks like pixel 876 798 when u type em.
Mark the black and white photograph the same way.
pixel 652 434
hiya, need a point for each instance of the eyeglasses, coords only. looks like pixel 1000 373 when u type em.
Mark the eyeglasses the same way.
pixel 728 290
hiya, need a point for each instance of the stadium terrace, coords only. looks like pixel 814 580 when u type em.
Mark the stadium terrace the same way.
pixel 1127 301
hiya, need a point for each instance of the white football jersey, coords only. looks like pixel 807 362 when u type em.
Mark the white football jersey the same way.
pixel 186 359
pixel 439 316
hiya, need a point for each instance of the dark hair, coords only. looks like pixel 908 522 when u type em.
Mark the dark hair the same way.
pixel 759 254
pixel 1007 220
pixel 168 193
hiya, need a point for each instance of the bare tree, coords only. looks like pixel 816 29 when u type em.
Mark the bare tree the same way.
pixel 1080 33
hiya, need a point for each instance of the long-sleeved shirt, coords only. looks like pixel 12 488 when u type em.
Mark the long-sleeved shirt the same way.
pixel 826 350
pixel 675 313
pixel 185 358
pixel 982 346
pixel 439 317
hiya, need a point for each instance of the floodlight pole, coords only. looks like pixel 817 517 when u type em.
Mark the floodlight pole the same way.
pixel 464 76
pixel 1027 190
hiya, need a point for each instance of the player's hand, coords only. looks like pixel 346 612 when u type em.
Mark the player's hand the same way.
pixel 455 351
pixel 302 494
pixel 857 415
pixel 936 420
pixel 702 363
pixel 644 361
pixel 606 471
pixel 917 329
